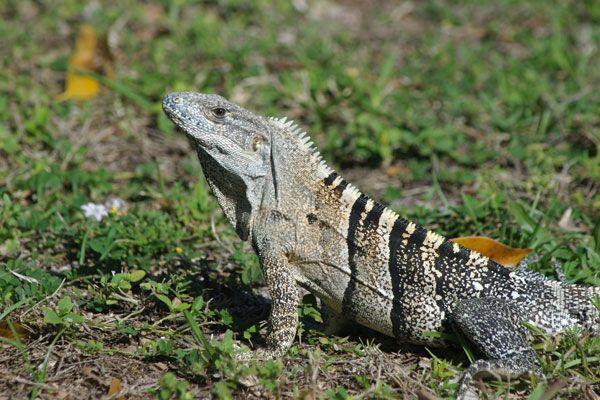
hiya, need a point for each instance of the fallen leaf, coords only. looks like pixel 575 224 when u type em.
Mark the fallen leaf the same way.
pixel 91 54
pixel 566 222
pixel 115 387
pixel 6 332
pixel 494 250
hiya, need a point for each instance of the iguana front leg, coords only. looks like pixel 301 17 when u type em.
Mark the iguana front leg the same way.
pixel 283 318
pixel 494 326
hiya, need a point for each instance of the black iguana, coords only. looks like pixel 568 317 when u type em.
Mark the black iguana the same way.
pixel 311 228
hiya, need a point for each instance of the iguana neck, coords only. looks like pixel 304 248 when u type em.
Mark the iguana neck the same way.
pixel 297 170
pixel 229 191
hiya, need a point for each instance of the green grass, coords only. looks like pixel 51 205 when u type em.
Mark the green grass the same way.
pixel 470 117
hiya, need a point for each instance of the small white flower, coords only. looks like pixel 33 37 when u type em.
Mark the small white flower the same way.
pixel 96 211
pixel 114 203
pixel 115 206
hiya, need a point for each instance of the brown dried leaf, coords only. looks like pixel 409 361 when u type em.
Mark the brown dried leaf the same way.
pixel 6 332
pixel 115 387
pixel 494 250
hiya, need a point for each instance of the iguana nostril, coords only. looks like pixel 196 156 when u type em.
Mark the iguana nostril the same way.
pixel 176 100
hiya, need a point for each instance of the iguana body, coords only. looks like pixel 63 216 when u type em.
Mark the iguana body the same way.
pixel 311 228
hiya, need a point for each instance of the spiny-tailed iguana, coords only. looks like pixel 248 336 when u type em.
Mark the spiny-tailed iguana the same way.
pixel 311 228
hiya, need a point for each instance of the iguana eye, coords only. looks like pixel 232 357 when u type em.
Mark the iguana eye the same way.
pixel 218 112
pixel 257 142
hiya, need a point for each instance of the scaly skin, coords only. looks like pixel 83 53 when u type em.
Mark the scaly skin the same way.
pixel 311 228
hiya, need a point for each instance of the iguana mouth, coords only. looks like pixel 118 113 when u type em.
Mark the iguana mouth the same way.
pixel 170 108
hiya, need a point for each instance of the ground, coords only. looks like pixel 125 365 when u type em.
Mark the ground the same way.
pixel 471 117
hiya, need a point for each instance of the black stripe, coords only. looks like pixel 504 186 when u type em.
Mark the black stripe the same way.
pixel 372 219
pixel 417 238
pixel 397 316
pixel 339 189
pixel 396 234
pixel 353 222
pixel 329 180
pixel 446 249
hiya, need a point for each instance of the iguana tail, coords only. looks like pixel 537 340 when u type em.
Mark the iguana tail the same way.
pixel 554 305
pixel 581 303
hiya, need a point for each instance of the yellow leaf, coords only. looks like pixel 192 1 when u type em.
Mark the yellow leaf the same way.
pixel 91 54
pixel 79 87
pixel 115 387
pixel 494 250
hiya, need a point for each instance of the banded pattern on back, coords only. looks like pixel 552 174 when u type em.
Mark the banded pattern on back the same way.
pixel 420 273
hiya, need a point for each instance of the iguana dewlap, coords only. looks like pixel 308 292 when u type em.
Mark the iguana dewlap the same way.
pixel 310 228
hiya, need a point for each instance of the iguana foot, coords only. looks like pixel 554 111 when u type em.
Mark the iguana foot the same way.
pixel 507 368
pixel 494 326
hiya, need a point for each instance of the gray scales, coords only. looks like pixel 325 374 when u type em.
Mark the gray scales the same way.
pixel 310 228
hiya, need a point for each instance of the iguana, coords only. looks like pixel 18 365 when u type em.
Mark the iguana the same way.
pixel 312 229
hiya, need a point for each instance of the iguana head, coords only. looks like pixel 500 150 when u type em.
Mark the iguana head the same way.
pixel 249 161
pixel 232 136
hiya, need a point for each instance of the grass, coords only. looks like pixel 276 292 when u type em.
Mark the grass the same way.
pixel 470 117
